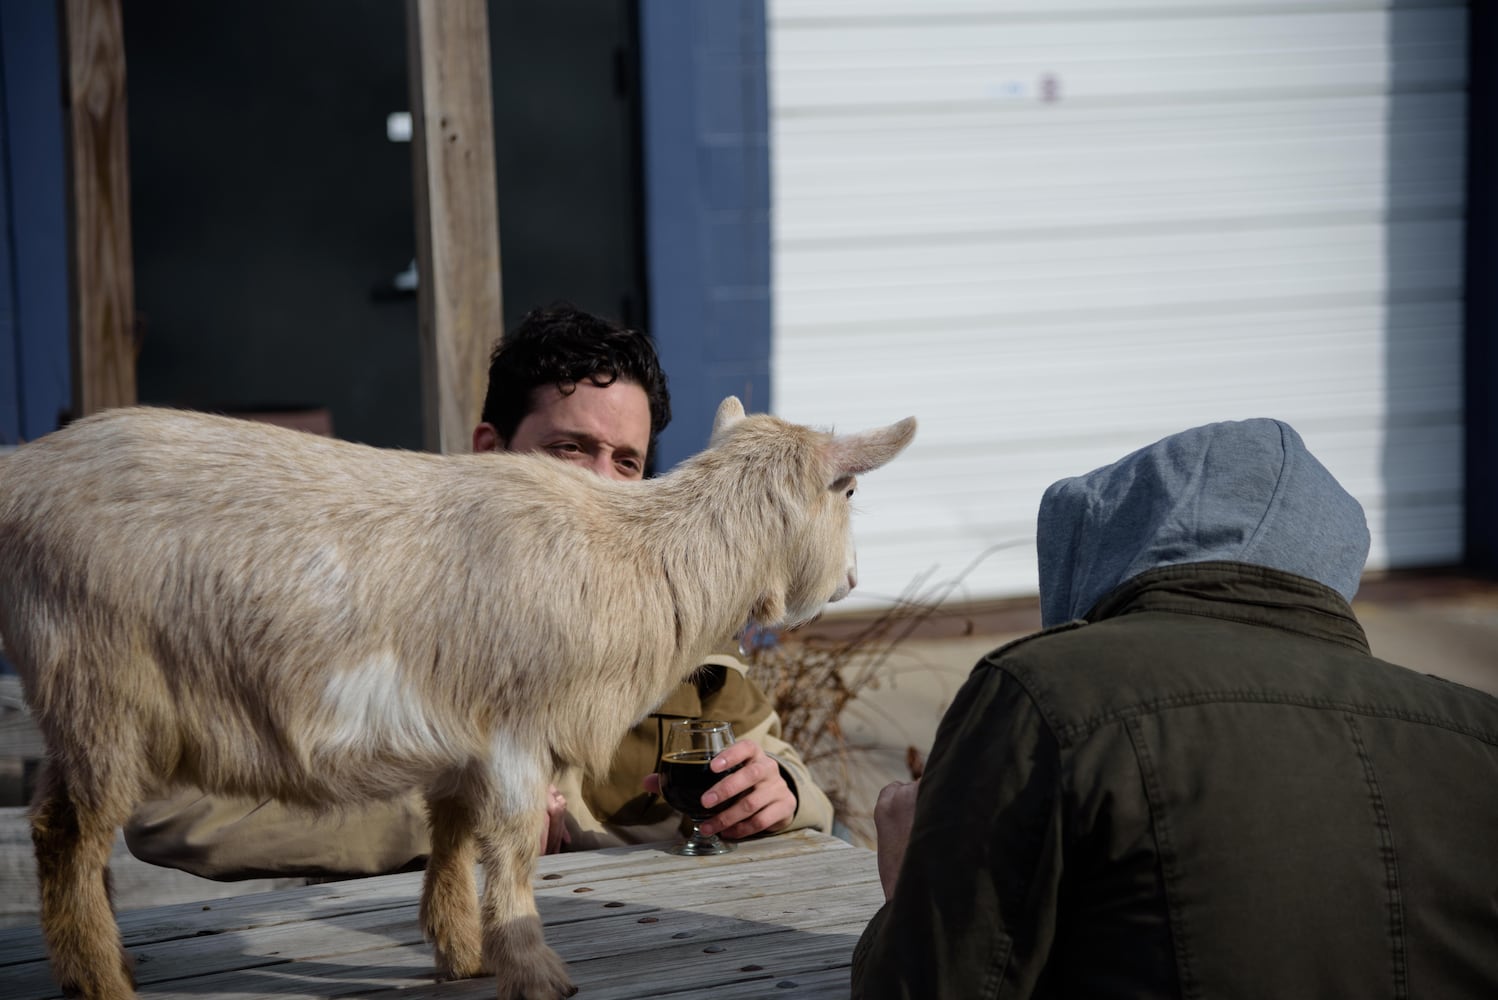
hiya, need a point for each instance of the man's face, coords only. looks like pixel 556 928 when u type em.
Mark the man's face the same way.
pixel 605 429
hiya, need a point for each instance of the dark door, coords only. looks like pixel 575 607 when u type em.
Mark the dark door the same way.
pixel 271 210
pixel 566 124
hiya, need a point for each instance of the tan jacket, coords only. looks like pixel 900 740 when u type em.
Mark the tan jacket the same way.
pixel 229 838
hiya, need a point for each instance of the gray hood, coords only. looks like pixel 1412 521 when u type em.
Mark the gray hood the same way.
pixel 1244 491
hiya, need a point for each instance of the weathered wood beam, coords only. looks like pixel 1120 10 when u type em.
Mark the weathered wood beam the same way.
pixel 457 214
pixel 102 274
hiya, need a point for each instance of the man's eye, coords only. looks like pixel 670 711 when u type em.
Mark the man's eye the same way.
pixel 566 448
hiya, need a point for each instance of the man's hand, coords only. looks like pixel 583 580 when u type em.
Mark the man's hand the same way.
pixel 894 814
pixel 766 805
pixel 554 835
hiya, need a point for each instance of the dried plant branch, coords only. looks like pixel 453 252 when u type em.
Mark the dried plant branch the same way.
pixel 813 679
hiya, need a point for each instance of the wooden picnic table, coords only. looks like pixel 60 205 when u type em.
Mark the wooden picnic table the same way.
pixel 776 918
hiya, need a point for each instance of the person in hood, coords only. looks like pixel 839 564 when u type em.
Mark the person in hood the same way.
pixel 1196 781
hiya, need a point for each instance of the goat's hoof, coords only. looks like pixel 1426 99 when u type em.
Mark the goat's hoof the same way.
pixel 98 988
pixel 87 982
pixel 542 976
pixel 459 963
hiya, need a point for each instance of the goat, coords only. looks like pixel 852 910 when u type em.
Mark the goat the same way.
pixel 257 611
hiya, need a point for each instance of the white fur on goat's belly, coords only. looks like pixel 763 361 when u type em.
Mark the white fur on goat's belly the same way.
pixel 372 708
pixel 375 714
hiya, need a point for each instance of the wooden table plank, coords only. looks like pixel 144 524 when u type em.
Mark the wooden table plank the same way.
pixel 598 935
pixel 779 917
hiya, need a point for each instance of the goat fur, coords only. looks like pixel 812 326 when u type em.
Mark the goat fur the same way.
pixel 256 611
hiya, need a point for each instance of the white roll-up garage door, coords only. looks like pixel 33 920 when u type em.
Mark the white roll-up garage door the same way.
pixel 1057 230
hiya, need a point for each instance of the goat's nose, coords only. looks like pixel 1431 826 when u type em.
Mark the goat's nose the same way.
pixel 844 588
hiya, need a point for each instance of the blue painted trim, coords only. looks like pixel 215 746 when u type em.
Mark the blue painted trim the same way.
pixel 706 149
pixel 10 348
pixel 1480 328
pixel 36 215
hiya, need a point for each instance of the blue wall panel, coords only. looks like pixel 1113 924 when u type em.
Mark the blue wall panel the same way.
pixel 707 204
pixel 1481 329
pixel 10 353
pixel 35 381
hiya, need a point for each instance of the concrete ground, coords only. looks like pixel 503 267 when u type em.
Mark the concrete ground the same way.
pixel 136 884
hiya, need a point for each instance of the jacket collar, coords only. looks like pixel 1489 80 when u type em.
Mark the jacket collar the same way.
pixel 1239 592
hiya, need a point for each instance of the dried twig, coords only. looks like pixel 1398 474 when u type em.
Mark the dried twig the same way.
pixel 813 679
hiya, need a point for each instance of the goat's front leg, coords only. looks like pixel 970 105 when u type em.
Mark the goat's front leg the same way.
pixel 514 946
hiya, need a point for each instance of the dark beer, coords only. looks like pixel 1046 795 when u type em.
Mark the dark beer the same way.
pixel 685 775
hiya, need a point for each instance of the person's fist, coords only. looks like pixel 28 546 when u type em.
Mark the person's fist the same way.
pixel 894 814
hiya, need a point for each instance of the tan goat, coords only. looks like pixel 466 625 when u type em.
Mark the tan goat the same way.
pixel 262 612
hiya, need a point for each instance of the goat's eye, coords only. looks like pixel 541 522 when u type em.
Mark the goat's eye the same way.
pixel 849 494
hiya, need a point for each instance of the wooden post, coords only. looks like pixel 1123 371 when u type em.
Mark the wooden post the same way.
pixel 457 215
pixel 102 273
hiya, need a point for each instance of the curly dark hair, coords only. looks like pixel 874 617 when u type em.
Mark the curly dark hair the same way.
pixel 561 345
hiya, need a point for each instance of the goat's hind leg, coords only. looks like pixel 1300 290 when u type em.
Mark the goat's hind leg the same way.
pixel 73 842
pixel 449 897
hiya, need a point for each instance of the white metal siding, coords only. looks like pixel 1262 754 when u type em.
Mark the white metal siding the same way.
pixel 1057 230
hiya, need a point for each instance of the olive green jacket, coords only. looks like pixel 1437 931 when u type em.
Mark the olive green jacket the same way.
pixel 229 838
pixel 1209 789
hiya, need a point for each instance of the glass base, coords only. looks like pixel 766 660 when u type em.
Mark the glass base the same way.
pixel 699 846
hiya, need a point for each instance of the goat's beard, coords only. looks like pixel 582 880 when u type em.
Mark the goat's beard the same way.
pixel 795 614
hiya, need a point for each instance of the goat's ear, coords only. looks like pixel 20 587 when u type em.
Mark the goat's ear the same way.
pixel 852 454
pixel 730 412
